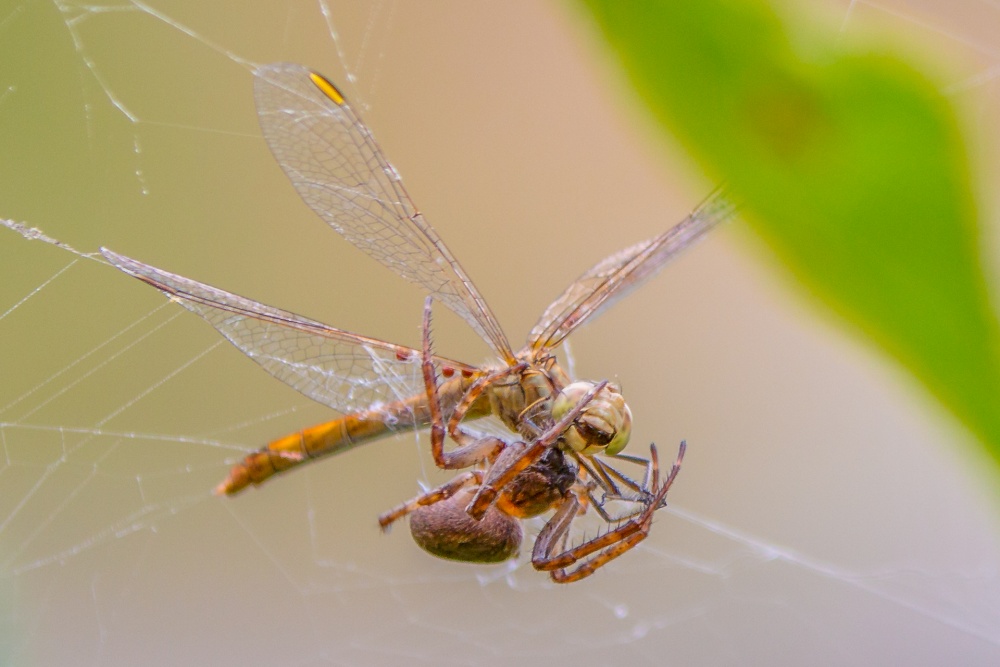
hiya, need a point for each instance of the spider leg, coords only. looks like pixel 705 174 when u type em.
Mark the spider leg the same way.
pixel 548 554
pixel 517 456
pixel 443 492
pixel 471 450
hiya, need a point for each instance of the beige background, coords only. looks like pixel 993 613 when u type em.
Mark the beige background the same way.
pixel 828 512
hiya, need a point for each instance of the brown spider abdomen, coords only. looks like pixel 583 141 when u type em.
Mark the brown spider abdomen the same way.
pixel 445 530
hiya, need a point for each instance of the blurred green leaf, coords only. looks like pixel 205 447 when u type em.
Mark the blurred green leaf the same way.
pixel 850 164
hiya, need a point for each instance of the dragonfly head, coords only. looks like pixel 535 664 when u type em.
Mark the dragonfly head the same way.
pixel 605 424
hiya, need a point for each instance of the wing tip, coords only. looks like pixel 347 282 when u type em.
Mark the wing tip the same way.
pixel 119 261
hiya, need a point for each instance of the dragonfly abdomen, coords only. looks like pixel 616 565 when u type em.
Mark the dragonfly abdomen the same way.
pixel 338 436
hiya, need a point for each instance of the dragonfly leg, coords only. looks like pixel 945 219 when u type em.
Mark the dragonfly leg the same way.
pixel 455 430
pixel 471 450
pixel 550 555
pixel 600 479
pixel 515 458
pixel 443 492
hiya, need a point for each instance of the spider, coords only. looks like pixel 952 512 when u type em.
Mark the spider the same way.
pixel 475 517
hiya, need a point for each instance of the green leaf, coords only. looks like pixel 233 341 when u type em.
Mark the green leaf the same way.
pixel 849 163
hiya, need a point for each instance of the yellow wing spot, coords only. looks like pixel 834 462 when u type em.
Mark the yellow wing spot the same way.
pixel 327 88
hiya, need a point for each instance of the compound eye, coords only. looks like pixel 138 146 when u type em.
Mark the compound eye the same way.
pixel 604 426
pixel 567 399
pixel 623 433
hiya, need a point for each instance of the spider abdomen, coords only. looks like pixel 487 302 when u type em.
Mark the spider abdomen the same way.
pixel 446 530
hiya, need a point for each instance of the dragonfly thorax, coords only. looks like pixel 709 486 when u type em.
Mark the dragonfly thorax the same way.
pixel 605 425
pixel 523 401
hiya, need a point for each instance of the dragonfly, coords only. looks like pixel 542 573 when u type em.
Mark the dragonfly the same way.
pixel 562 451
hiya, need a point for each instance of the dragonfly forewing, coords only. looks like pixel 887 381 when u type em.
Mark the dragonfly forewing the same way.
pixel 339 170
pixel 619 274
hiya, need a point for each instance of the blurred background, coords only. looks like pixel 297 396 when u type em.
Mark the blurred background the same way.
pixel 828 511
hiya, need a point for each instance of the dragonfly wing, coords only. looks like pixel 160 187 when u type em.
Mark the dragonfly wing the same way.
pixel 617 275
pixel 583 287
pixel 339 170
pixel 345 371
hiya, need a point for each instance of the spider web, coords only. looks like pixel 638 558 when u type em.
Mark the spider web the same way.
pixel 822 515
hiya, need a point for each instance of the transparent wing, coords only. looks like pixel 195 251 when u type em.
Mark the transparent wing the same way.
pixel 583 287
pixel 490 426
pixel 615 276
pixel 338 169
pixel 345 371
